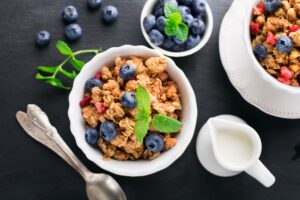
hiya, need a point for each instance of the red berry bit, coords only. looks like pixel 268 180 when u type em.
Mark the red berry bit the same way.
pixel 271 38
pixel 98 75
pixel 294 29
pixel 85 101
pixel 261 7
pixel 100 107
pixel 286 73
pixel 254 28
pixel 283 80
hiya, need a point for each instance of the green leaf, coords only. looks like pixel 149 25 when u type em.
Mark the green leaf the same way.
pixel 143 100
pixel 170 8
pixel 171 27
pixel 63 48
pixel 77 64
pixel 70 75
pixel 182 32
pixel 141 129
pixel 39 76
pixel 57 83
pixel 165 124
pixel 47 69
pixel 176 17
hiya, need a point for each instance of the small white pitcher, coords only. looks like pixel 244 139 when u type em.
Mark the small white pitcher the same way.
pixel 227 146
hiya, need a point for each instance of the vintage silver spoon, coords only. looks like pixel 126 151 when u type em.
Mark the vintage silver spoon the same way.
pixel 98 186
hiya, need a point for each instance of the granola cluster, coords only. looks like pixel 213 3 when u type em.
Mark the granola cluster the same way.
pixel 275 37
pixel 103 104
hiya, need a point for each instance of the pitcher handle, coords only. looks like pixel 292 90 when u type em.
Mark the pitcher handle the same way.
pixel 261 174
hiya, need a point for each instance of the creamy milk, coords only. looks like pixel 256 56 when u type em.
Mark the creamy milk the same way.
pixel 234 148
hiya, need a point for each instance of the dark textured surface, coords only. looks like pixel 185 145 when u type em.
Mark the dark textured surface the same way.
pixel 29 171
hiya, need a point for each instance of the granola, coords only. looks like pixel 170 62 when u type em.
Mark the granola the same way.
pixel 105 92
pixel 275 37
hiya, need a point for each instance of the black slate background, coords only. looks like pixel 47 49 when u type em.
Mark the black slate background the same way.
pixel 29 171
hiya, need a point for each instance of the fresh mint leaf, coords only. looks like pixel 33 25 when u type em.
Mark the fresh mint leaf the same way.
pixel 143 100
pixel 57 83
pixel 141 129
pixel 165 124
pixel 169 9
pixel 176 17
pixel 39 76
pixel 171 27
pixel 47 69
pixel 182 32
pixel 77 64
pixel 70 75
pixel 63 48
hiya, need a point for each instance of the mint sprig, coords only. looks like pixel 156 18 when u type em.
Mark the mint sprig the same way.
pixel 52 71
pixel 142 118
pixel 165 124
pixel 174 24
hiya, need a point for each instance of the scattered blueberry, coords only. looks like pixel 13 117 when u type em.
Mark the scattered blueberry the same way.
pixel 184 10
pixel 127 72
pixel 272 5
pixel 42 38
pixel 128 100
pixel 192 41
pixel 260 51
pixel 163 2
pixel 92 82
pixel 109 14
pixel 92 136
pixel 73 32
pixel 198 6
pixel 93 4
pixel 186 2
pixel 108 131
pixel 161 23
pixel 149 22
pixel 156 37
pixel 188 19
pixel 169 43
pixel 284 44
pixel 154 142
pixel 198 27
pixel 70 14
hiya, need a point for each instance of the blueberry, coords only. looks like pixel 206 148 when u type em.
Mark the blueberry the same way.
pixel 92 82
pixel 163 2
pixel 186 2
pixel 169 43
pixel 177 41
pixel 178 47
pixel 42 38
pixel 149 22
pixel 127 72
pixel 198 27
pixel 201 16
pixel 108 131
pixel 161 23
pixel 156 37
pixel 184 10
pixel 284 44
pixel 92 136
pixel 198 6
pixel 93 4
pixel 192 41
pixel 272 5
pixel 260 51
pixel 109 14
pixel 154 142
pixel 188 19
pixel 73 32
pixel 70 14
pixel 159 12
pixel 128 100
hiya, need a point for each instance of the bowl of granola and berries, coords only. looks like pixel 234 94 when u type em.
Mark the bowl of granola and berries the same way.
pixel 272 36
pixel 132 111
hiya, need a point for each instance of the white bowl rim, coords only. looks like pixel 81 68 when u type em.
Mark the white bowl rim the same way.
pixel 209 28
pixel 124 172
pixel 258 67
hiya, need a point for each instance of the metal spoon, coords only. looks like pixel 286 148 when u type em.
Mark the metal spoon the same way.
pixel 98 186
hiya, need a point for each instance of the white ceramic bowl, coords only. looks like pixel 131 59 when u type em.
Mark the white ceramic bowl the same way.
pixel 141 167
pixel 264 74
pixel 147 10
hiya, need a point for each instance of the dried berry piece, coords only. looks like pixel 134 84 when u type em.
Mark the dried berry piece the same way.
pixel 254 28
pixel 271 38
pixel 100 107
pixel 283 80
pixel 286 73
pixel 294 29
pixel 98 75
pixel 85 101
